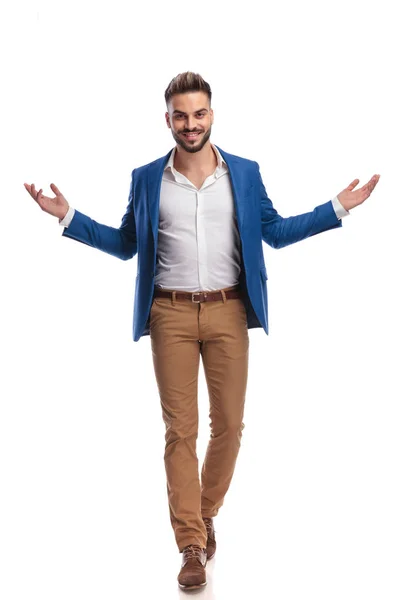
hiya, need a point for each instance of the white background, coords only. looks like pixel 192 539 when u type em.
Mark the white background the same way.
pixel 310 91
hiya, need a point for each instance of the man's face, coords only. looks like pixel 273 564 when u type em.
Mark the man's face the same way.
pixel 190 113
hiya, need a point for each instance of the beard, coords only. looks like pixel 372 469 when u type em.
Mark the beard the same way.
pixel 188 146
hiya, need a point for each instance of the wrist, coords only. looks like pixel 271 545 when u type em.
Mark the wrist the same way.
pixel 62 215
pixel 340 208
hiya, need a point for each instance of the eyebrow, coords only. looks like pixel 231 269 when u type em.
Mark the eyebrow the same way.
pixel 183 113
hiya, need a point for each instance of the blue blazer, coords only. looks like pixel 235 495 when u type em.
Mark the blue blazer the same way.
pixel 257 220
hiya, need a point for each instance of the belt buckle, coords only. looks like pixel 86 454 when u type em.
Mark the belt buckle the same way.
pixel 194 294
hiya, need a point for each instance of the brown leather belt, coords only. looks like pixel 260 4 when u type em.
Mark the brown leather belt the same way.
pixel 199 296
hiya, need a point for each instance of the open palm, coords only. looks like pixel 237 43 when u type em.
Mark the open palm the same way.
pixel 349 197
pixel 57 206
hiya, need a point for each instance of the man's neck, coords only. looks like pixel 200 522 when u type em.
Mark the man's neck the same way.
pixel 203 160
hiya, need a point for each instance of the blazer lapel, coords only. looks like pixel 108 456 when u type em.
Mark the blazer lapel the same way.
pixel 240 183
pixel 154 178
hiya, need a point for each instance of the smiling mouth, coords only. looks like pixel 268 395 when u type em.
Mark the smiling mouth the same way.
pixel 191 136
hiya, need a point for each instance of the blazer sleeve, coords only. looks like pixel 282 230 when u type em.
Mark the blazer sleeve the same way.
pixel 120 242
pixel 279 232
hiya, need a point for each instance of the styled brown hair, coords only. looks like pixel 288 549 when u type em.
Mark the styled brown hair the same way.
pixel 187 82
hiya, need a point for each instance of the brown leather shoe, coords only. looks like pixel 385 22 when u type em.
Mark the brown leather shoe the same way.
pixel 193 571
pixel 211 542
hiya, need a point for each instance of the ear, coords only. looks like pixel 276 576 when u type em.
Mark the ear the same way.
pixel 212 116
pixel 167 119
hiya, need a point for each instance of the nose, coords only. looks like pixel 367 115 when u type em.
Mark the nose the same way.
pixel 191 122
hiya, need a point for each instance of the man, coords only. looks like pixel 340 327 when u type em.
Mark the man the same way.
pixel 196 218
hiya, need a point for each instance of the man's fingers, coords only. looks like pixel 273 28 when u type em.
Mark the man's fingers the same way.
pixel 371 184
pixel 34 193
pixel 353 184
pixel 369 187
pixel 365 191
pixel 373 181
pixel 29 189
pixel 37 195
pixel 45 202
pixel 55 189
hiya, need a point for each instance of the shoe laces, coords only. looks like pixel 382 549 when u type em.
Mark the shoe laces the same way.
pixel 194 551
pixel 209 527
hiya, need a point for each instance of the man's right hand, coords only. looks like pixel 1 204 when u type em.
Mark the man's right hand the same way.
pixel 57 206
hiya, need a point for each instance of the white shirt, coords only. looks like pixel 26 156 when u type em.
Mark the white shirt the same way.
pixel 198 239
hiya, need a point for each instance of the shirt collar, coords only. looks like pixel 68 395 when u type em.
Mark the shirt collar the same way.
pixel 221 161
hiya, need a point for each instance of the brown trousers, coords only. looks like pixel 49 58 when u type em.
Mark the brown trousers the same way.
pixel 181 331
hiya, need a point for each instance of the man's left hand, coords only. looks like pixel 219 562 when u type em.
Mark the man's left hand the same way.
pixel 349 197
